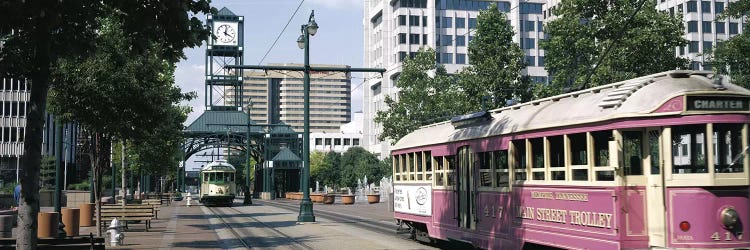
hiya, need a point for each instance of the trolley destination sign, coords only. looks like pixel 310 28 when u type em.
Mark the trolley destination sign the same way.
pixel 718 103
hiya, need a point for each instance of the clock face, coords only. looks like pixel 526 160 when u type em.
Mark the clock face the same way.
pixel 226 33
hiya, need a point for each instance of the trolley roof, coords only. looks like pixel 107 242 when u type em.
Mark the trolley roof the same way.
pixel 220 165
pixel 635 97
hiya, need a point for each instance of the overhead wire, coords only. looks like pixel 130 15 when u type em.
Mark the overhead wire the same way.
pixel 282 32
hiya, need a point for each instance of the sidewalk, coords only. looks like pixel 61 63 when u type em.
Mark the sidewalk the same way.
pixel 178 227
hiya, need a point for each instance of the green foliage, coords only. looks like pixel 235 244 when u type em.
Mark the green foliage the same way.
pixel 317 159
pixel 356 163
pixel 587 32
pixel 733 56
pixel 423 99
pixel 84 185
pixel 329 171
pixel 8 188
pixel 47 173
pixel 496 64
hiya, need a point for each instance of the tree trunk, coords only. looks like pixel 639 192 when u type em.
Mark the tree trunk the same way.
pixel 32 147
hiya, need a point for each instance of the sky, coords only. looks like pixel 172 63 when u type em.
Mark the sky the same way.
pixel 339 41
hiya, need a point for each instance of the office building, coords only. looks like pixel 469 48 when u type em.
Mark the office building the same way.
pixel 349 135
pixel 396 29
pixel 278 97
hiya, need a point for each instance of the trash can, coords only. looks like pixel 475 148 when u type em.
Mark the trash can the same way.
pixel 71 219
pixel 87 214
pixel 6 226
pixel 48 224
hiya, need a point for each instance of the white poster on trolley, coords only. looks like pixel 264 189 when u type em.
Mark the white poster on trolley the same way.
pixel 413 199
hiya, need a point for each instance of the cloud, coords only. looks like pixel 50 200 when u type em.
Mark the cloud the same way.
pixel 339 4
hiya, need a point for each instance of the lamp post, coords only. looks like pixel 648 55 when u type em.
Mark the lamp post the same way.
pixel 306 206
pixel 248 200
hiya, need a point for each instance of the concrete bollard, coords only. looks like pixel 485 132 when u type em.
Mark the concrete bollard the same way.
pixel 6 226
pixel 87 214
pixel 71 217
pixel 48 224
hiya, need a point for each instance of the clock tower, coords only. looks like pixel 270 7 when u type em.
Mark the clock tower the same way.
pixel 224 86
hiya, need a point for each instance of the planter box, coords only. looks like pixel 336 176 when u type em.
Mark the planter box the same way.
pixel 373 198
pixel 316 197
pixel 347 199
pixel 329 199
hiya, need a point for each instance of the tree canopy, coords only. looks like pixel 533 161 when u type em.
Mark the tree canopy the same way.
pixel 733 56
pixel 610 41
pixel 496 62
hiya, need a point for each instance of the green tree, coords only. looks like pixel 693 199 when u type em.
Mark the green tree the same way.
pixel 496 64
pixel 733 56
pixel 329 171
pixel 610 41
pixel 427 95
pixel 35 34
pixel 356 163
pixel 317 159
pixel 47 173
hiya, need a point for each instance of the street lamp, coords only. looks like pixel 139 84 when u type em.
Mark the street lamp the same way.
pixel 247 200
pixel 306 206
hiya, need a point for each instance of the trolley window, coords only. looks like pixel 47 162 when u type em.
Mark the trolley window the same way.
pixel 485 169
pixel 519 157
pixel 439 171
pixel 450 170
pixel 601 155
pixel 500 161
pixel 727 143
pixel 428 165
pixel 419 167
pixel 578 149
pixel 557 157
pixel 633 153
pixel 689 149
pixel 537 158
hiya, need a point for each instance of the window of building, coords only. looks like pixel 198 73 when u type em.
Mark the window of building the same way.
pixel 693 47
pixel 401 56
pixel 413 38
pixel 692 26
pixel 692 6
pixel 718 7
pixel 460 22
pixel 355 142
pixel 689 149
pixel 733 28
pixel 540 61
pixel 720 29
pixel 328 142
pixel 472 23
pixel 424 21
pixel 679 8
pixel 531 8
pixel 460 58
pixel 460 41
pixel 707 27
pixel 530 25
pixel 695 65
pixel 447 22
pixel 424 39
pixel 347 141
pixel 530 61
pixel 502 6
pixel 707 46
pixel 446 58
pixel 437 22
pixel 681 50
pixel 402 38
pixel 705 6
pixel 537 158
pixel 337 141
pixel 318 141
pixel 414 20
pixel 446 40
pixel 529 42
pixel 402 20
pixel 470 38
pixel 540 26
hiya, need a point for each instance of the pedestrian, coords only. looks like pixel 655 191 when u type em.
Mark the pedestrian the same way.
pixel 17 195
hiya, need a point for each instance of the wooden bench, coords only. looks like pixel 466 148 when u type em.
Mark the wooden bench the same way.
pixel 129 213
pixel 72 243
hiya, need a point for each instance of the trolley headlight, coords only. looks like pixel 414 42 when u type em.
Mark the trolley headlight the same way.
pixel 729 217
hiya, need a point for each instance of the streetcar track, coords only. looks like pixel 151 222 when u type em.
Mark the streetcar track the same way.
pixel 348 219
pixel 266 226
pixel 226 224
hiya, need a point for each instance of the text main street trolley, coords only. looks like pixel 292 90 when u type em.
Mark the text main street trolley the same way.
pixel 656 161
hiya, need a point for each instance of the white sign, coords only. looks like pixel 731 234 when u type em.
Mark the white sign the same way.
pixel 413 199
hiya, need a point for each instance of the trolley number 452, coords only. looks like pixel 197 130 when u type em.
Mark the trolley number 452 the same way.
pixel 727 236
